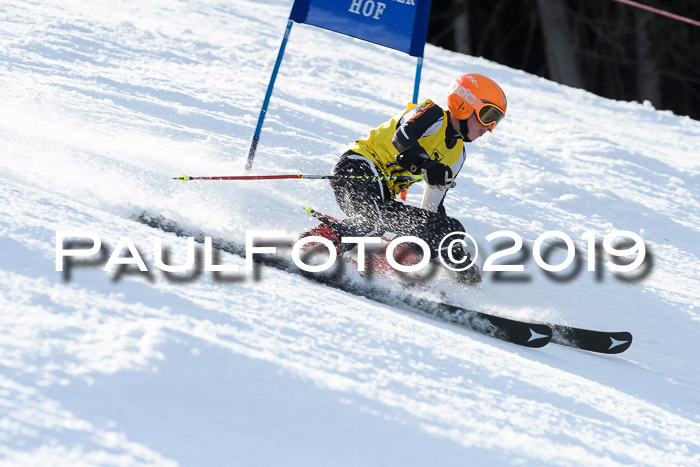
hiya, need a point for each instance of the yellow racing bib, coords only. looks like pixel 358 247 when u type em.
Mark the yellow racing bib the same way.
pixel 379 149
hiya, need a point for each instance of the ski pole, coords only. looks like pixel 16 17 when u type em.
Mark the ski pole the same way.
pixel 399 178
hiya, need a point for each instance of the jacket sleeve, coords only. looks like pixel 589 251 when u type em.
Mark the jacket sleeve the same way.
pixel 420 121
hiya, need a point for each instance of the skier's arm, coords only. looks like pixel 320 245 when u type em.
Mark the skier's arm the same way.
pixel 420 121
pixel 433 197
pixel 423 120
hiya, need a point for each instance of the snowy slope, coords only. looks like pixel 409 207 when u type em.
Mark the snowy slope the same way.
pixel 103 103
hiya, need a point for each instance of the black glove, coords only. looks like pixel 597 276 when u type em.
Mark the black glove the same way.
pixel 412 159
pixel 416 161
pixel 437 174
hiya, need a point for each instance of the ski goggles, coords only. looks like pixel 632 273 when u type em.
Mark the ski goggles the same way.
pixel 487 113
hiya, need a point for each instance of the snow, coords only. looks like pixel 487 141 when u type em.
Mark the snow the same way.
pixel 104 102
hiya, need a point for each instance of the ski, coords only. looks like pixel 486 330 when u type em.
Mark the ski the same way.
pixel 518 332
pixel 523 333
pixel 593 341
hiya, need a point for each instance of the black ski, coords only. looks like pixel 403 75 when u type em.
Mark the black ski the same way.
pixel 517 332
pixel 594 341
pixel 524 333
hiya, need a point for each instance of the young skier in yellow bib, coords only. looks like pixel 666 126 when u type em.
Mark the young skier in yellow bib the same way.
pixel 424 139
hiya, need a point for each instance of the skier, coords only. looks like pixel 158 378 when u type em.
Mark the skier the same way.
pixel 424 139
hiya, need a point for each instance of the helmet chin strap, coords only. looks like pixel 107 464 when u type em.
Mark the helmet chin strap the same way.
pixel 464 130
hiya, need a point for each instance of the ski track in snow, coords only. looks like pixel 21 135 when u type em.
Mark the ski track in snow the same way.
pixel 104 104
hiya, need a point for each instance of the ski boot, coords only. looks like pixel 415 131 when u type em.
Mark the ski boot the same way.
pixel 404 254
pixel 324 230
pixel 469 276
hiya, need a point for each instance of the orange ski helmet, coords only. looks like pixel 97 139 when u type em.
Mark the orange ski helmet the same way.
pixel 472 92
